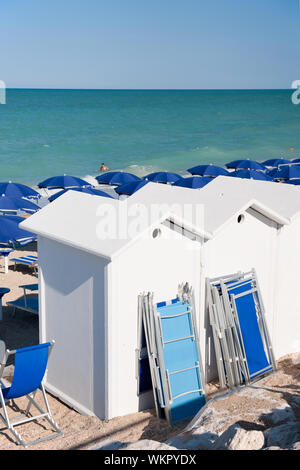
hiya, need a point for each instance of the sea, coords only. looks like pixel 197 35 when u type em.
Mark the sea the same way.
pixel 47 133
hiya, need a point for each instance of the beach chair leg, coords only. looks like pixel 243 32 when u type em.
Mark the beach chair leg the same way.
pixel 7 422
pixel 4 418
pixel 13 312
pixel 44 414
pixel 30 403
pixel 47 415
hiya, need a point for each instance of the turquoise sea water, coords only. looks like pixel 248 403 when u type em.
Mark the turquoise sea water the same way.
pixel 51 132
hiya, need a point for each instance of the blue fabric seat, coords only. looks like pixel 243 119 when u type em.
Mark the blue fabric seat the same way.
pixel 181 359
pixel 246 301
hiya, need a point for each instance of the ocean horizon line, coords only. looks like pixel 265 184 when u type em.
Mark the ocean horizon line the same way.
pixel 146 89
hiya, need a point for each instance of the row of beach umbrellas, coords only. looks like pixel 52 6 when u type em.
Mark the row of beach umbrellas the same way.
pixel 271 170
pixel 16 197
pixel 128 183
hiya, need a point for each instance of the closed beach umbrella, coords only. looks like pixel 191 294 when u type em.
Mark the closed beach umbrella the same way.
pixel 116 178
pixel 287 172
pixel 18 190
pixel 251 174
pixel 165 177
pixel 272 173
pixel 95 192
pixel 295 182
pixel 10 232
pixel 131 188
pixel 63 182
pixel 13 204
pixel 208 170
pixel 246 165
pixel 193 182
pixel 275 162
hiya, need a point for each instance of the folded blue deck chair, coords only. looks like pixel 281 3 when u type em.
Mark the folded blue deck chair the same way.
pixel 168 338
pixel 30 368
pixel 242 342
pixel 252 333
pixel 180 361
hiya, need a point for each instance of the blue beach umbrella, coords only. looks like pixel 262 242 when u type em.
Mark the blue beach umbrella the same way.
pixel 116 178
pixel 208 170
pixel 131 188
pixel 251 174
pixel 287 172
pixel 246 165
pixel 11 234
pixel 275 162
pixel 164 177
pixel 18 190
pixel 63 182
pixel 95 192
pixel 14 204
pixel 193 182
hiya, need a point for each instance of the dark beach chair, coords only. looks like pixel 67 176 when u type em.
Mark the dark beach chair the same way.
pixel 28 303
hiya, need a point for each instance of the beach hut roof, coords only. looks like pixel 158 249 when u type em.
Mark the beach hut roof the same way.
pixel 224 198
pixel 280 199
pixel 74 218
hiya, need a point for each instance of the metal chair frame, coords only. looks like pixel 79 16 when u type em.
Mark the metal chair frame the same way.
pixel 26 417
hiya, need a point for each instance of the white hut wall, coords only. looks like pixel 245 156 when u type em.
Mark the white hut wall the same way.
pixel 72 312
pixel 151 265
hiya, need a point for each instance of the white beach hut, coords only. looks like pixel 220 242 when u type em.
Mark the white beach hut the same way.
pixel 89 284
pixel 277 261
pixel 284 309
pixel 245 220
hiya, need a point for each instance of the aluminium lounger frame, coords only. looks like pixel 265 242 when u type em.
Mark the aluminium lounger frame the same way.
pixel 146 322
pixel 150 317
pixel 261 321
pixel 228 340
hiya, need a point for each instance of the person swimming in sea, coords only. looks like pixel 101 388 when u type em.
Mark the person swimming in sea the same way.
pixel 104 168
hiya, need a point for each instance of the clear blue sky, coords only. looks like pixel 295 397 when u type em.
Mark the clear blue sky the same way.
pixel 149 43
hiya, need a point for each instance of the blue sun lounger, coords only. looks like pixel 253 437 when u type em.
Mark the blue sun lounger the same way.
pixel 173 356
pixel 29 371
pixel 30 260
pixel 29 303
pixel 241 339
pixel 245 302
pixel 180 361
